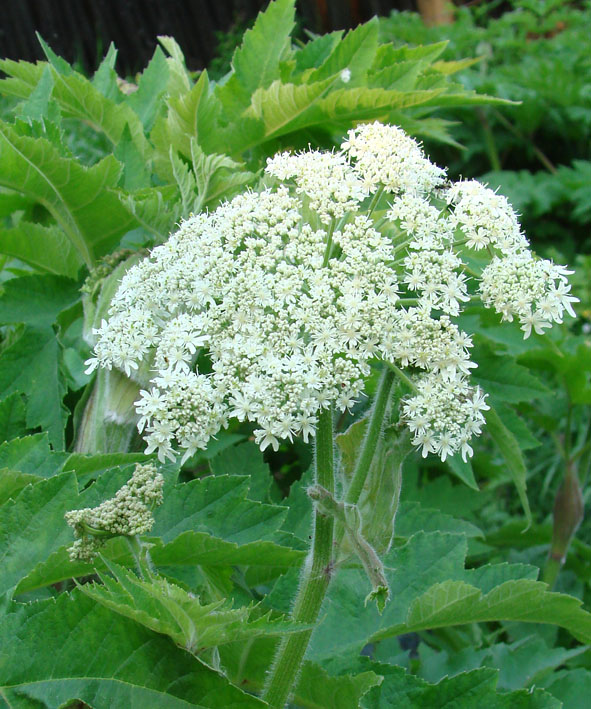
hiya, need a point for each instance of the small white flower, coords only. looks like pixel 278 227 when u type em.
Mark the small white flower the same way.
pixel 346 76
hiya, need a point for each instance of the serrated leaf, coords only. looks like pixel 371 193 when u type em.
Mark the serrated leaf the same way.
pixel 36 300
pixel 12 417
pixel 412 517
pixel 12 482
pixel 32 526
pixel 155 209
pixel 46 248
pixel 92 217
pixel 432 589
pixel 169 609
pixel 317 689
pixel 355 52
pixel 33 455
pixel 571 687
pixel 511 452
pixel 105 77
pixel 285 108
pixel 135 171
pixel 255 63
pixel 152 84
pixel 315 52
pixel 74 649
pixel 219 506
pixel 506 380
pixel 456 602
pixel 38 105
pixel 216 177
pixel 195 114
pixel 464 691
pixel 31 365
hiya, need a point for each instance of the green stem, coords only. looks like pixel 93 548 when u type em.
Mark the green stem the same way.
pixel 374 200
pixel 314 580
pixel 372 436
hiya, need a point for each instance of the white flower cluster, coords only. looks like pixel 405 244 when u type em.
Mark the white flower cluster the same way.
pixel 536 290
pixel 270 308
pixel 128 513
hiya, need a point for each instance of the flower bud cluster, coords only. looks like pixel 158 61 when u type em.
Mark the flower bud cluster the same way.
pixel 128 513
pixel 271 308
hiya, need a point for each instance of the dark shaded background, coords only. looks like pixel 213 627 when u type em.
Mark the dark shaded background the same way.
pixel 81 30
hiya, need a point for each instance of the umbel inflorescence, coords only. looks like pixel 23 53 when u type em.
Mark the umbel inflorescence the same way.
pixel 270 308
pixel 128 513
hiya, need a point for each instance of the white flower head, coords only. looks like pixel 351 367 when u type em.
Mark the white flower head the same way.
pixel 271 308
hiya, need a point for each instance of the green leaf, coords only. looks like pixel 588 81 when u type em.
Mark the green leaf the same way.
pixel 152 84
pixel 195 114
pixel 12 482
pixel 169 609
pixel 256 61
pixel 511 452
pixel 315 52
pixel 75 649
pixel 571 687
pixel 432 589
pixel 412 517
pixel 46 248
pixel 32 526
pixel 12 417
pixel 217 505
pixel 105 77
pixel 456 602
pixel 318 690
pixel 464 691
pixel 526 661
pixel 506 380
pixel 36 300
pixel 355 52
pixel 216 177
pixel 92 217
pixel 135 171
pixel 32 455
pixel 463 470
pixel 31 365
pixel 38 105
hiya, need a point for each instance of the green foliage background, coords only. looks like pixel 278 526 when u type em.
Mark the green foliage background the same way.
pixel 95 171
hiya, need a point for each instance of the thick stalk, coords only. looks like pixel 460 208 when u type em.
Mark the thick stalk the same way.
pixel 372 436
pixel 314 579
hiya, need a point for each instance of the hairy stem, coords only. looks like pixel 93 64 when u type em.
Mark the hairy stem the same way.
pixel 314 579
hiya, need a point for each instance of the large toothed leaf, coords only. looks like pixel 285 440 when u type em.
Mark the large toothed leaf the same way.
pixel 12 417
pixel 525 600
pixel 32 526
pixel 506 380
pixel 73 649
pixel 219 506
pixel 31 365
pixel 464 691
pixel 285 108
pixel 46 248
pixel 36 300
pixel 433 590
pixel 147 101
pixel 78 198
pixel 195 114
pixel 356 52
pixel 32 455
pixel 79 98
pixel 187 551
pixel 170 610
pixel 256 61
